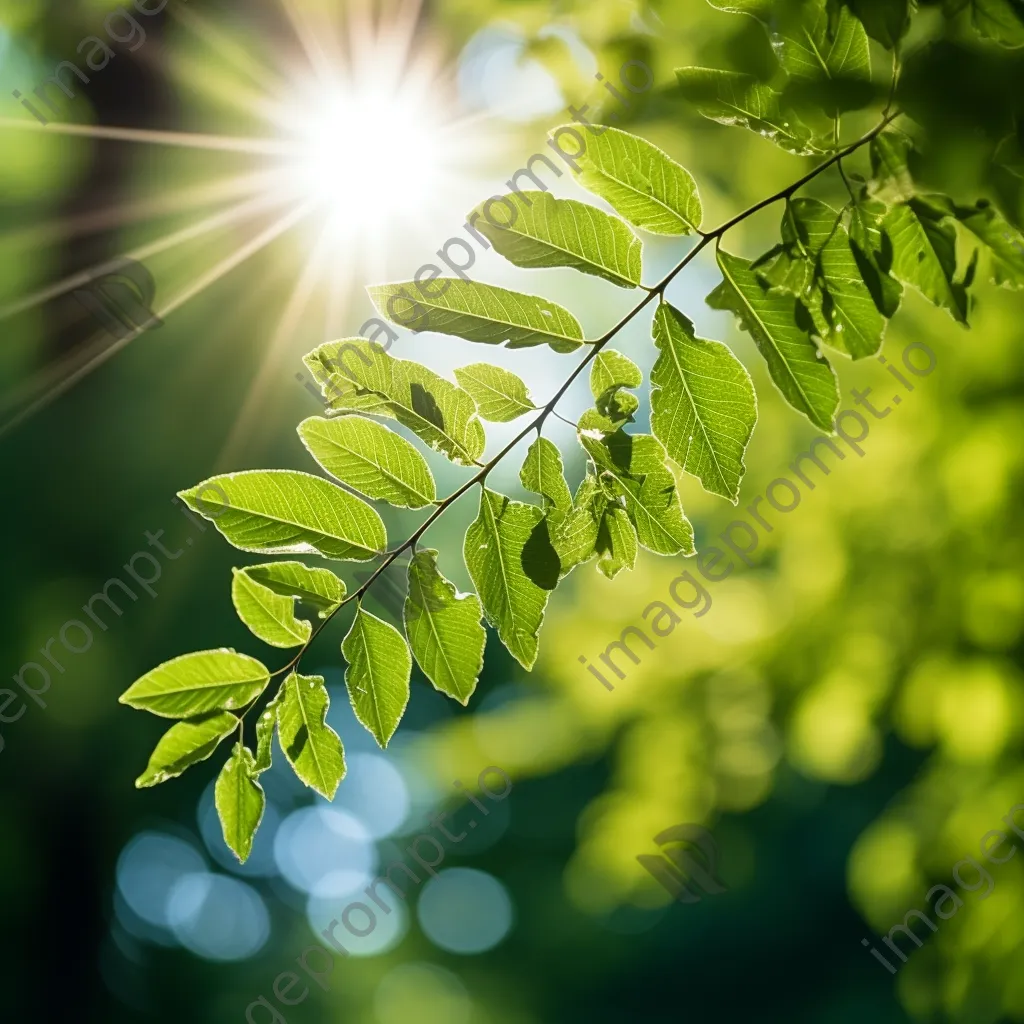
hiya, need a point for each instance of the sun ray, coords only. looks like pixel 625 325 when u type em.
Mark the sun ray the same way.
pixel 308 39
pixel 225 266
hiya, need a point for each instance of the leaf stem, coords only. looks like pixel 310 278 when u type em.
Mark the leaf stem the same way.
pixel 593 349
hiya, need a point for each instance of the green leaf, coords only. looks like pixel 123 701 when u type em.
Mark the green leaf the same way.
pixel 703 407
pixel 240 801
pixel 1009 154
pixel 379 667
pixel 640 182
pixel 844 310
pixel 280 511
pixel 185 744
pixel 924 254
pixel 616 542
pixel 270 616
pixel 1002 21
pixel 444 629
pixel 612 369
pixel 192 684
pixel 887 21
pixel 732 98
pixel 890 170
pixel 513 603
pixel 500 395
pixel 826 50
pixel 480 312
pixel 872 251
pixel 760 9
pixel 804 377
pixel 1000 239
pixel 633 467
pixel 537 230
pixel 319 588
pixel 437 411
pixel 573 534
pixel 265 726
pixel 542 473
pixel 371 459
pixel 312 747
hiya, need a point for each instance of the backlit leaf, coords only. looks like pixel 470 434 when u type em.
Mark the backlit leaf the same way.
pixel 612 369
pixel 479 312
pixel 536 230
pixel 312 747
pixel 885 20
pixel 616 542
pixel 444 628
pixel 542 473
pixel 377 676
pixel 999 238
pixel 437 411
pixel 872 251
pixel 280 511
pixel 803 376
pixel 319 588
pixel 193 684
pixel 1002 21
pixel 265 726
pixel 703 407
pixel 270 616
pixel 643 184
pixel 499 394
pixel 512 601
pixel 730 97
pixel 370 458
pixel 184 744
pixel 240 801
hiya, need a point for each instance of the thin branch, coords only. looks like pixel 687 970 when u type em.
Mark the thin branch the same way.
pixel 594 348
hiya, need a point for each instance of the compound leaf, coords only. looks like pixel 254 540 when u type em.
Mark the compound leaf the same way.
pixel 370 458
pixel 280 511
pixel 240 801
pixel 703 407
pixel 444 629
pixel 270 616
pixel 641 182
pixel 312 747
pixel 184 744
pixel 480 312
pixel 494 547
pixel 378 672
pixel 193 684
pixel 536 230
pixel 802 375
pixel 499 394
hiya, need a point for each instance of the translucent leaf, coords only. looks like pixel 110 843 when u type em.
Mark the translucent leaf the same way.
pixel 185 744
pixel 444 629
pixel 312 747
pixel 265 726
pixel 612 369
pixel 240 801
pixel 574 534
pixel 319 588
pixel 280 511
pixel 885 20
pixel 999 238
pixel 377 676
pixel 616 542
pixel 642 184
pixel 542 473
pixel 730 97
pixel 536 230
pixel 633 467
pixel 1002 21
pixel 479 312
pixel 846 316
pixel 760 9
pixel 802 375
pixel 500 395
pixel 890 171
pixel 270 616
pixel 437 411
pixel 872 250
pixel 192 684
pixel 703 407
pixel 513 603
pixel 371 459
pixel 827 50
pixel 924 254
